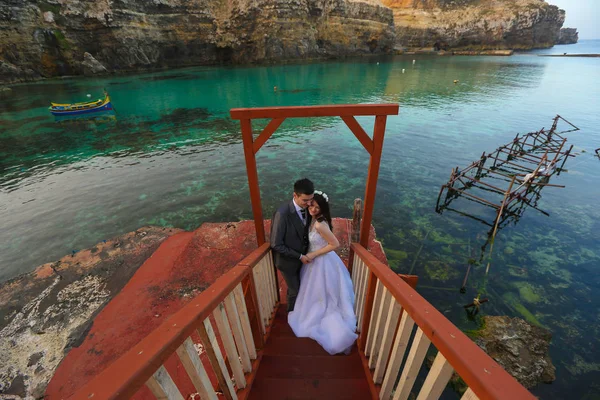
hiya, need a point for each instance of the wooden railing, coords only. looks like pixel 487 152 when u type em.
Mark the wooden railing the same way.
pixel 242 304
pixel 387 310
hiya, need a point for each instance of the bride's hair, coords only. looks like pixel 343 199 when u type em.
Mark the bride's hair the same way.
pixel 325 214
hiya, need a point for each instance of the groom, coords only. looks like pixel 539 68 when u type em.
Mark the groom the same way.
pixel 289 237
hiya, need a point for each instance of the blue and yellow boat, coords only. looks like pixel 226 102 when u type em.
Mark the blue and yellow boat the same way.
pixel 58 109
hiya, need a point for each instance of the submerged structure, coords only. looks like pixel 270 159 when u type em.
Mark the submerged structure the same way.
pixel 509 179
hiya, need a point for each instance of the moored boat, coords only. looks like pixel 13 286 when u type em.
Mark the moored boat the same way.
pixel 81 108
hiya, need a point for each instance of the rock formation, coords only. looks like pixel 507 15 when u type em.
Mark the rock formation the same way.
pixel 519 347
pixel 476 24
pixel 91 66
pixel 45 38
pixel 568 36
pixel 45 313
pixel 50 37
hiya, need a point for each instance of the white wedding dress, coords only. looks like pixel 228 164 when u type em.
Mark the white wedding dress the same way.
pixel 324 309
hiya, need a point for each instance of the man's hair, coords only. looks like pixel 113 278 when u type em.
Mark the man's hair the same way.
pixel 304 186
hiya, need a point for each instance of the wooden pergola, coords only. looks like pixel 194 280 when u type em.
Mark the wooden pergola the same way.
pixel 347 112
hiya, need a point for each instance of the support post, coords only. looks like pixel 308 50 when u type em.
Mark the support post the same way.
pixel 368 308
pixel 253 180
pixel 251 299
pixel 373 174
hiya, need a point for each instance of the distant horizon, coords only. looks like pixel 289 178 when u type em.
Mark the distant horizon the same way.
pixel 581 15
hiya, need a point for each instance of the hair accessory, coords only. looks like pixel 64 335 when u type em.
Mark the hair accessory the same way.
pixel 324 195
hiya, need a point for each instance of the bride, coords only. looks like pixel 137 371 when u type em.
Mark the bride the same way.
pixel 324 308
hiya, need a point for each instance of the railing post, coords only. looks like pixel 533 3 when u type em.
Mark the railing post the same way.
pixel 252 305
pixel 369 299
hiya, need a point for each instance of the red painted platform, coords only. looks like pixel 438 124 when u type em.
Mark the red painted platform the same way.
pixel 183 266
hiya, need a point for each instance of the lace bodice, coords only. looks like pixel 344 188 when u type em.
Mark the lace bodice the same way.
pixel 315 240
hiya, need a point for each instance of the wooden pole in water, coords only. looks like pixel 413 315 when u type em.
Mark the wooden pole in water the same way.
pixel 499 215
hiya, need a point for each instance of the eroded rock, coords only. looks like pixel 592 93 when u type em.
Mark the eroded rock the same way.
pixel 476 25
pixel 129 35
pixel 568 36
pixel 91 66
pixel 45 313
pixel 519 347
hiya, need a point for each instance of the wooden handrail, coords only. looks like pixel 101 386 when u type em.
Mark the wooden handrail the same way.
pixel 125 376
pixel 486 378
pixel 342 110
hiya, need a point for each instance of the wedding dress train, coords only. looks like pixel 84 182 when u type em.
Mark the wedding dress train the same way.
pixel 324 309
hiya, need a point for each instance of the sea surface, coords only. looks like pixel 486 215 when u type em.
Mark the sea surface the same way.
pixel 171 156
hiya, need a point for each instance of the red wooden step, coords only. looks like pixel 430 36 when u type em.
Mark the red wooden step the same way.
pixel 304 389
pixel 281 328
pixel 291 345
pixel 314 367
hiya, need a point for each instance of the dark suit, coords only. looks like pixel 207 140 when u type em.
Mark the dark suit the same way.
pixel 289 240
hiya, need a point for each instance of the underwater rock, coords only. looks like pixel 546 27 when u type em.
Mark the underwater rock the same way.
pixel 519 347
pixel 91 66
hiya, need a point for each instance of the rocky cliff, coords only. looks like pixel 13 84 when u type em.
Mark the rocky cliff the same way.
pixel 46 38
pixel 568 36
pixel 476 24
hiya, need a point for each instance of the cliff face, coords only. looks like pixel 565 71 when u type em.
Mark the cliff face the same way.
pixel 476 24
pixel 46 38
pixel 568 36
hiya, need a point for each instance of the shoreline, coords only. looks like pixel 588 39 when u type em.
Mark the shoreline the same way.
pixel 392 53
pixel 569 55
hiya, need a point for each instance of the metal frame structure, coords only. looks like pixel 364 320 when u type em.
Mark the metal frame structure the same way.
pixel 347 113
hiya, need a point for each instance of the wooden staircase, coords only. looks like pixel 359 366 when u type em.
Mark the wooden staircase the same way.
pixel 299 368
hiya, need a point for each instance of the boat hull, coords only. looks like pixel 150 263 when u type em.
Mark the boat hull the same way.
pixel 103 107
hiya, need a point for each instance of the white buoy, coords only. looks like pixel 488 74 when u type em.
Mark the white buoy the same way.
pixel 378 63
pixel 414 61
pixel 89 95
pixel 403 70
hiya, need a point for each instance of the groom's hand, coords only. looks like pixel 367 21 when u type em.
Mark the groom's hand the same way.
pixel 305 260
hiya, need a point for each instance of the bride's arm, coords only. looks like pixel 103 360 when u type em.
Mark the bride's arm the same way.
pixel 332 242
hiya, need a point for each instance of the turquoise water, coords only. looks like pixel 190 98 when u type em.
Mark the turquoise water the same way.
pixel 171 156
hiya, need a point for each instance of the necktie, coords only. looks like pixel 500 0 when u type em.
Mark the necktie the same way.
pixel 303 212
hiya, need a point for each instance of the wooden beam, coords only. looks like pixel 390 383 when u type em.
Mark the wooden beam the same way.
pixel 253 180
pixel 314 111
pixel 266 133
pixel 373 175
pixel 359 132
